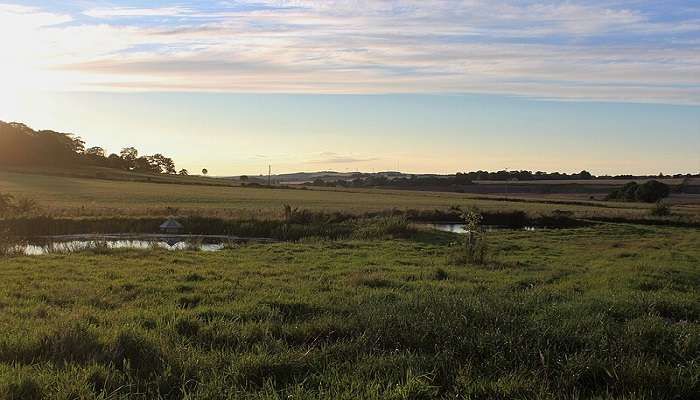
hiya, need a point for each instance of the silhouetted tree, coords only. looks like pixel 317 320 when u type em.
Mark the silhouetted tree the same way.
pixel 129 155
pixel 95 151
pixel 146 164
pixel 652 191
pixel 183 172
pixel 204 171
pixel 585 175
pixel 114 161
pixel 165 164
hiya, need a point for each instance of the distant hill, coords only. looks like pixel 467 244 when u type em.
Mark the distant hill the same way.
pixel 45 152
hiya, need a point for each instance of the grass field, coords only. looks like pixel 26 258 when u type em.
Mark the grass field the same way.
pixel 67 196
pixel 607 312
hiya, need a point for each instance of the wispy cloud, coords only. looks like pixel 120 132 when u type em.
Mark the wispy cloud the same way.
pixel 602 50
pixel 137 12
pixel 335 158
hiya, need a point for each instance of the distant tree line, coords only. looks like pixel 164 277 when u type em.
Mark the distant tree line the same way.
pixel 401 182
pixel 22 146
pixel 398 180
pixel 459 179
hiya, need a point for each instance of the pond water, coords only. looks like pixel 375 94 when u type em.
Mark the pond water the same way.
pixel 461 228
pixel 76 243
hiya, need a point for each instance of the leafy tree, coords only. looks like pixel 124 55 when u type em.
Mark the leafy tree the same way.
pixel 651 191
pixel 165 165
pixel 204 171
pixel 95 151
pixel 244 178
pixel 129 155
pixel 183 172
pixel 114 161
pixel 146 164
pixel 625 193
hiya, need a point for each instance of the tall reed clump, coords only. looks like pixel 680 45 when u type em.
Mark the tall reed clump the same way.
pixel 473 246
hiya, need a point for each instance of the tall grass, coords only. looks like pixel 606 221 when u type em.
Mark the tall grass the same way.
pixel 570 316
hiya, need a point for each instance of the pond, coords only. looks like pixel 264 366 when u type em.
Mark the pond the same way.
pixel 76 243
pixel 461 228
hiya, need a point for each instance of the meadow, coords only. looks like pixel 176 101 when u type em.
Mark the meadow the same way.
pixel 604 312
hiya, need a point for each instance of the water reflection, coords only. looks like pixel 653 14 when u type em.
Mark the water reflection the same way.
pixel 73 246
pixel 461 228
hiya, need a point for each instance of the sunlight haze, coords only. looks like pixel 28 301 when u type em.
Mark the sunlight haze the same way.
pixel 421 86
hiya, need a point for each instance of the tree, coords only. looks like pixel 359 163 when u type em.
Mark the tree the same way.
pixel 165 164
pixel 651 191
pixel 204 171
pixel 183 172
pixel 585 175
pixel 114 161
pixel 244 178
pixel 95 152
pixel 129 154
pixel 146 164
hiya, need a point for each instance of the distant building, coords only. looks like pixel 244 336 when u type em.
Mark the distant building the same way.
pixel 171 226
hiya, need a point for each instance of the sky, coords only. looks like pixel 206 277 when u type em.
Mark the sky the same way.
pixel 416 85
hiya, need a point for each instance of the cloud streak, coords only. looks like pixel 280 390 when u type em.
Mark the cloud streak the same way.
pixel 555 50
pixel 335 158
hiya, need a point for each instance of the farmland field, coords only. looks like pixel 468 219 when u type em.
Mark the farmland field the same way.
pixel 607 312
pixel 68 196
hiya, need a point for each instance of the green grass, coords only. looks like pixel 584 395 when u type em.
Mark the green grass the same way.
pixel 611 311
pixel 78 197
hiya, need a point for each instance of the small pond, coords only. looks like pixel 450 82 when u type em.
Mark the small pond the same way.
pixel 76 243
pixel 461 228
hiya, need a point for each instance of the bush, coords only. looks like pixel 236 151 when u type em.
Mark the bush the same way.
pixel 475 245
pixel 9 205
pixel 660 210
pixel 649 192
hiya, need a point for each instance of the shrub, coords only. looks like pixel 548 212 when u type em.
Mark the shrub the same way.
pixel 625 193
pixel 660 210
pixel 475 245
pixel 651 191
pixel 9 205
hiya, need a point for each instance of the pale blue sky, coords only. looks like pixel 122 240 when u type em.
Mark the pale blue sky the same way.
pixel 428 86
